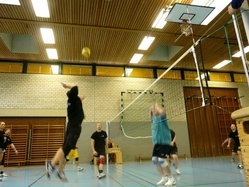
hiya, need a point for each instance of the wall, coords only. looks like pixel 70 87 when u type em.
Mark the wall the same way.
pixel 43 95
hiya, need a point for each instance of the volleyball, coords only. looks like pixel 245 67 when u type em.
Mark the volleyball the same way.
pixel 86 52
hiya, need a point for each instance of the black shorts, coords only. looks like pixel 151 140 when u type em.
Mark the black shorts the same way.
pixel 2 162
pixel 161 151
pixel 71 137
pixel 236 148
pixel 100 152
pixel 173 150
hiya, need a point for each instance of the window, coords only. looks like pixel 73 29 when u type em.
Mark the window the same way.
pixel 190 75
pixel 6 67
pixel 223 77
pixel 239 77
pixel 172 74
pixel 77 70
pixel 109 71
pixel 139 72
pixel 39 69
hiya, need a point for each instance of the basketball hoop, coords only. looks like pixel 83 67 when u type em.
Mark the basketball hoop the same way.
pixel 185 28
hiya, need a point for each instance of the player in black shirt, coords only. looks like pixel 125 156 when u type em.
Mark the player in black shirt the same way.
pixel 7 142
pixel 75 114
pixel 174 151
pixel 236 148
pixel 2 140
pixel 99 145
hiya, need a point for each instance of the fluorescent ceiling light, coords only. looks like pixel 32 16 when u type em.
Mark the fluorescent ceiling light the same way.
pixel 41 8
pixel 145 44
pixel 221 64
pixel 128 71
pixel 52 53
pixel 55 69
pixel 160 22
pixel 47 35
pixel 136 58
pixel 217 4
pixel 10 2
pixel 238 54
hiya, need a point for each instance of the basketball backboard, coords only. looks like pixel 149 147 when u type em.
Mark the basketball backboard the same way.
pixel 187 13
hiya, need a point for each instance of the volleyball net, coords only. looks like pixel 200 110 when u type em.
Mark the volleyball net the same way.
pixel 167 90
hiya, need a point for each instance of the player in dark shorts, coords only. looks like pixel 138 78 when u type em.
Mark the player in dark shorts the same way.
pixel 161 139
pixel 8 142
pixel 75 114
pixel 174 151
pixel 99 145
pixel 233 135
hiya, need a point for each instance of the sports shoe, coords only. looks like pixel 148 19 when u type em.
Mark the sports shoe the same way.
pixel 162 181
pixel 101 175
pixel 178 171
pixel 4 175
pixel 80 168
pixel 49 169
pixel 240 166
pixel 171 181
pixel 62 176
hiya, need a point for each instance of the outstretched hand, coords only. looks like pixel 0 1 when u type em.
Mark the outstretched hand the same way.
pixel 64 85
pixel 67 85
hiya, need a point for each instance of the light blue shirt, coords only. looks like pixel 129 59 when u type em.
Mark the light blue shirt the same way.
pixel 160 130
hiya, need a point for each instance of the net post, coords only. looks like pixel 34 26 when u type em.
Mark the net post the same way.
pixel 199 75
pixel 108 133
pixel 241 47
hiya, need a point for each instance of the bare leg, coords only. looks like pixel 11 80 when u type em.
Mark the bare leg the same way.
pixel 59 157
pixel 101 165
pixel 239 157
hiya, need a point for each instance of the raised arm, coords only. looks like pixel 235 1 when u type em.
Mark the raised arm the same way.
pixel 234 6
pixel 69 86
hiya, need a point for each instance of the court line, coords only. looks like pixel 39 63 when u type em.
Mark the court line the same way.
pixel 36 180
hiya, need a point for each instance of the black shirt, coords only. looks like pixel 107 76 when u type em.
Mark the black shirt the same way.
pixel 7 142
pixel 99 139
pixel 235 136
pixel 172 136
pixel 75 111
pixel 2 133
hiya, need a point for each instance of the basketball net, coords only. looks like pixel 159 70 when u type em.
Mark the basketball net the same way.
pixel 185 28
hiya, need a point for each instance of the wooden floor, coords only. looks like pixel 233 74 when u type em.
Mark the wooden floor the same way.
pixel 203 172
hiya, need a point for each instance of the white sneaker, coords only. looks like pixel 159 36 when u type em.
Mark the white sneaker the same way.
pixel 178 171
pixel 101 175
pixel 80 168
pixel 162 181
pixel 4 175
pixel 171 181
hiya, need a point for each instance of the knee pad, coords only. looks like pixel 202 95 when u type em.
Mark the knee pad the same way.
pixel 154 160
pixel 162 162
pixel 77 159
pixel 102 160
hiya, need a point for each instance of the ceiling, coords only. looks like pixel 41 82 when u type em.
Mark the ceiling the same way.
pixel 113 30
